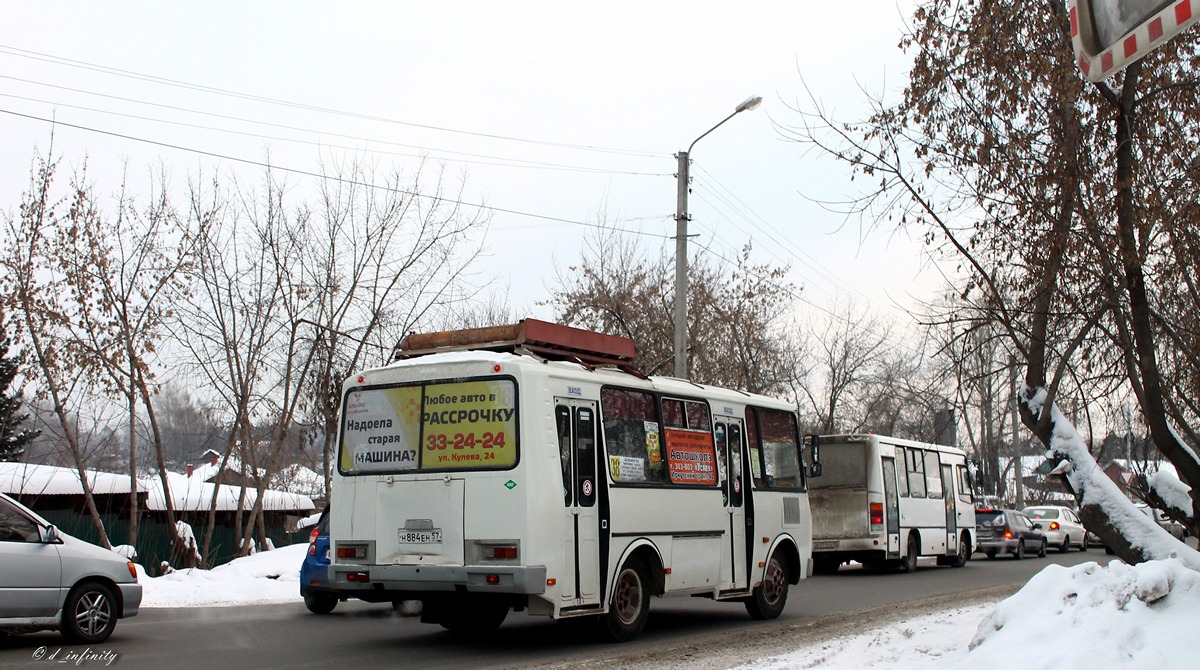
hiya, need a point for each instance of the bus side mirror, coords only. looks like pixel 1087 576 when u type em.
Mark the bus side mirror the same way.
pixel 814 443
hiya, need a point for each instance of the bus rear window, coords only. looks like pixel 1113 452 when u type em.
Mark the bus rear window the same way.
pixel 438 426
pixel 843 465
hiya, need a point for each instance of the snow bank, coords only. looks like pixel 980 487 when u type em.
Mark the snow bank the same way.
pixel 1088 616
pixel 266 577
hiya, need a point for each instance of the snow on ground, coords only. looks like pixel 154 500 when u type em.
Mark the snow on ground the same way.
pixel 266 577
pixel 1116 617
pixel 1088 616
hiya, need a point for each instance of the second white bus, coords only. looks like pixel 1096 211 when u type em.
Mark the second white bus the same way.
pixel 885 502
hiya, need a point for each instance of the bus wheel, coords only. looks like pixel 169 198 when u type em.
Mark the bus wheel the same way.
pixel 768 598
pixel 630 606
pixel 909 562
pixel 964 552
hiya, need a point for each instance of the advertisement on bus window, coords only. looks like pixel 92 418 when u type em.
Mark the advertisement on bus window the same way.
pixel 453 425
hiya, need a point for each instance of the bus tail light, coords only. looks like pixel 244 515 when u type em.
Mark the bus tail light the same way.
pixel 876 510
pixel 351 551
pixel 493 580
pixel 501 553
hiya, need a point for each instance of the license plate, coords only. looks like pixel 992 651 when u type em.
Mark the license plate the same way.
pixel 430 536
pixel 825 545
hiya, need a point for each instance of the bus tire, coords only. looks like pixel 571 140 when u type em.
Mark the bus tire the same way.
pixel 964 552
pixel 909 562
pixel 769 598
pixel 630 605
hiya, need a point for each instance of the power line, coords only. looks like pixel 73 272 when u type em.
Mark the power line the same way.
pixel 342 180
pixel 512 162
pixel 163 81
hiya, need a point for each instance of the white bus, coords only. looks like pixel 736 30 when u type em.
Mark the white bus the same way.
pixel 884 501
pixel 481 481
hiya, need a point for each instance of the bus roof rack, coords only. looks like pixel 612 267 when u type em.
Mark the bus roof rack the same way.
pixel 546 340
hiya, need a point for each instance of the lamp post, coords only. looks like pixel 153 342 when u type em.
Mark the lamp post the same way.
pixel 681 235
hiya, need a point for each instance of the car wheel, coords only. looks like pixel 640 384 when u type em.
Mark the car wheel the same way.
pixel 768 598
pixel 630 605
pixel 1019 552
pixel 320 603
pixel 1066 545
pixel 1042 551
pixel 89 614
pixel 909 562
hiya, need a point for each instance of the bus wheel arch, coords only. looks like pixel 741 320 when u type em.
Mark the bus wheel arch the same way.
pixel 629 604
pixel 768 599
pixel 648 555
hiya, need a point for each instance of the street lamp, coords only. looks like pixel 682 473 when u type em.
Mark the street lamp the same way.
pixel 681 235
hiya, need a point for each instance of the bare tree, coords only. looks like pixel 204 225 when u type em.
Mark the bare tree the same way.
pixel 737 331
pixel 35 290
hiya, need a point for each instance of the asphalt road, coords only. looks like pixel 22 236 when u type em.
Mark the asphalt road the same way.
pixel 360 635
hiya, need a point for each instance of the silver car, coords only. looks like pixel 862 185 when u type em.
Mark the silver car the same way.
pixel 50 580
pixel 1062 526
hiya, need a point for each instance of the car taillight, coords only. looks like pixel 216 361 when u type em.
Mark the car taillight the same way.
pixel 312 542
pixel 1008 534
pixel 876 513
pixel 1053 525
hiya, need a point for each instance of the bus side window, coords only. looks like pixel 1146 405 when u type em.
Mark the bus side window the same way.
pixel 562 421
pixel 916 473
pixel 585 461
pixel 632 439
pixel 780 449
pixel 964 484
pixel 933 475
pixel 756 469
pixel 902 472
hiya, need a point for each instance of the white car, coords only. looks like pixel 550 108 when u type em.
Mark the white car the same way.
pixel 52 581
pixel 1061 525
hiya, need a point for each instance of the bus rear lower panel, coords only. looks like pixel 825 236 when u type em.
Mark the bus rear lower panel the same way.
pixel 405 579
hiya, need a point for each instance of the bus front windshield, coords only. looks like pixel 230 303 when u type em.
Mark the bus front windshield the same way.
pixel 452 425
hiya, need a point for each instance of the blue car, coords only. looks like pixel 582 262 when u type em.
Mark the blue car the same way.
pixel 319 598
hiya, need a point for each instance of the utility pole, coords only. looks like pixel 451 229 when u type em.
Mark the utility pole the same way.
pixel 1012 385
pixel 681 235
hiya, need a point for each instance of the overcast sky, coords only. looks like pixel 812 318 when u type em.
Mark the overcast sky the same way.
pixel 554 111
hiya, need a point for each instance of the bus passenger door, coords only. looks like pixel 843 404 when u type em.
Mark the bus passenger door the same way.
pixel 891 506
pixel 576 422
pixel 728 434
pixel 948 489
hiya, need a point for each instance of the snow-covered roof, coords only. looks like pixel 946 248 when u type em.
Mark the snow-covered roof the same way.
pixel 32 479
pixel 187 493
pixel 193 494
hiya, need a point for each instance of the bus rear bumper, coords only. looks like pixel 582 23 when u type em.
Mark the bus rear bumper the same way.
pixel 355 580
